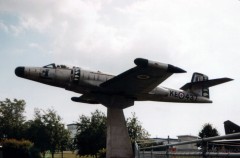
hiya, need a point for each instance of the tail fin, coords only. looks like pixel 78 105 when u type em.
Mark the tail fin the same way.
pixel 200 84
pixel 231 127
pixel 197 89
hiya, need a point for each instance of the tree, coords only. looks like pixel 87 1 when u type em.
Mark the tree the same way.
pixel 207 131
pixel 12 118
pixel 64 140
pixel 91 135
pixel 135 129
pixel 37 132
pixel 47 131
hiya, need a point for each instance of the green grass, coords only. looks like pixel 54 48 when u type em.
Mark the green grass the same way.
pixel 66 154
pixel 69 154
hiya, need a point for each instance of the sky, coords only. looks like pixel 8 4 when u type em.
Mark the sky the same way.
pixel 107 35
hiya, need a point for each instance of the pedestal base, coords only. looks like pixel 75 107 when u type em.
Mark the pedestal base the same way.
pixel 118 141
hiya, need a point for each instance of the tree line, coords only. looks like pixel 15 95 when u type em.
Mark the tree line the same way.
pixel 47 132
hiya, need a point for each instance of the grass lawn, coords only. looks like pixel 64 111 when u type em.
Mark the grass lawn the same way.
pixel 66 154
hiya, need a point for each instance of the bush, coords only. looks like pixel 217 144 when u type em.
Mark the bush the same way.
pixel 13 148
pixel 101 153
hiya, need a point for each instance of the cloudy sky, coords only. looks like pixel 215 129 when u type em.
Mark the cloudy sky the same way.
pixel 107 35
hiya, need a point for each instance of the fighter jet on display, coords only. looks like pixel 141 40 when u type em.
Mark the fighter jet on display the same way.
pixel 136 84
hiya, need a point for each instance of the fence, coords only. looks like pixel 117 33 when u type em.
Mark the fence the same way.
pixel 168 150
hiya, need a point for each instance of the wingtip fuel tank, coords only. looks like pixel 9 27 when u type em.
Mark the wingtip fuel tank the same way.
pixel 149 63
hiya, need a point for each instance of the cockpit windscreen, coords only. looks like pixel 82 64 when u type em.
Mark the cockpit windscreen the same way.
pixel 54 66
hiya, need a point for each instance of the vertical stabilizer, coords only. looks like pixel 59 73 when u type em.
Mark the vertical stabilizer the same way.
pixel 231 127
pixel 200 90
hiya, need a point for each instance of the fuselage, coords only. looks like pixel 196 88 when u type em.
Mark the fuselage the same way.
pixel 83 81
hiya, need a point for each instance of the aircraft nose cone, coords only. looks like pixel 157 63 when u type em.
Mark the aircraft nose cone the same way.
pixel 19 71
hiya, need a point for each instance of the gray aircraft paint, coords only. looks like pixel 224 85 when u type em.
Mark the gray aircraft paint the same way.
pixel 96 85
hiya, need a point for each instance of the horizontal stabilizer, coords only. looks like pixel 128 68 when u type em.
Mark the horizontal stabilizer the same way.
pixel 206 84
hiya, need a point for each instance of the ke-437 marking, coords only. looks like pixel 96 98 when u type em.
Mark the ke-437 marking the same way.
pixel 182 95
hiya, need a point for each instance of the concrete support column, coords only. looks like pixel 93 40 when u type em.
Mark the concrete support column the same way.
pixel 118 141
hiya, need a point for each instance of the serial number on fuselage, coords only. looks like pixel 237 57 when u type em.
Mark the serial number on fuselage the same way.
pixel 183 96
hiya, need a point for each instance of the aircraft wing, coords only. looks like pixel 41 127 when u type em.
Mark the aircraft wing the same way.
pixel 141 79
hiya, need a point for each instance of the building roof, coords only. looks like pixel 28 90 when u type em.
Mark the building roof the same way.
pixel 72 124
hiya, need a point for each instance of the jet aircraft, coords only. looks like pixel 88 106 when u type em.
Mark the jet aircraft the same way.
pixel 136 84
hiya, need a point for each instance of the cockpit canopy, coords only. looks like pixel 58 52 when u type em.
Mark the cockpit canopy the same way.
pixel 54 66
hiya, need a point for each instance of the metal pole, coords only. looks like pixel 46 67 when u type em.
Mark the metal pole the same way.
pixel 167 151
pixel 151 153
pixel 204 149
pixel 208 154
pixel 168 148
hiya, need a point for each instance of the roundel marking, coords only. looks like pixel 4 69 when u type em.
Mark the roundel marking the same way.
pixel 143 77
pixel 181 95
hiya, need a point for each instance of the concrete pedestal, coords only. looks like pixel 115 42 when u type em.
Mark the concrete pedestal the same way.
pixel 118 141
